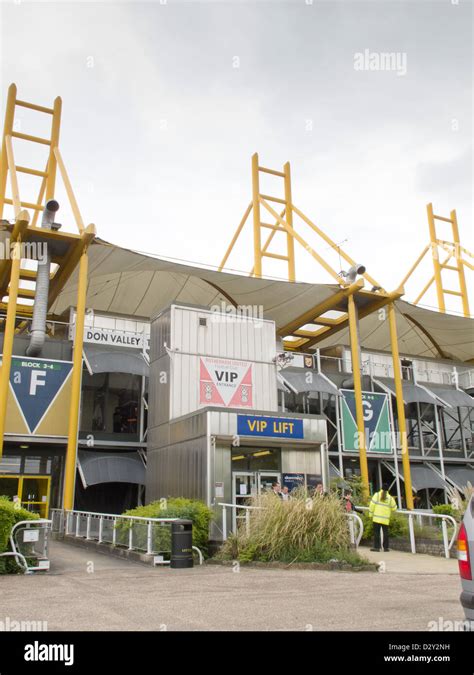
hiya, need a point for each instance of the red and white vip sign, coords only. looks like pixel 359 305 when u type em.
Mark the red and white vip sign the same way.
pixel 225 382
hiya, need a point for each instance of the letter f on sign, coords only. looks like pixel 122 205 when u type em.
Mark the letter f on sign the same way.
pixel 37 381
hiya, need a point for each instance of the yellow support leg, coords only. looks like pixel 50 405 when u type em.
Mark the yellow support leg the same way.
pixel 71 455
pixel 435 257
pixel 7 130
pixel 257 246
pixel 355 355
pixel 397 376
pixel 290 241
pixel 459 263
pixel 8 337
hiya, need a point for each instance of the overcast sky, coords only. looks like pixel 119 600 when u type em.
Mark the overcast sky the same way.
pixel 165 102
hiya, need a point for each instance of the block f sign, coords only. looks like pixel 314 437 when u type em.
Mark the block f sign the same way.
pixel 38 379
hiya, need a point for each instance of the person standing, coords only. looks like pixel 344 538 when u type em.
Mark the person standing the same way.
pixel 382 505
pixel 285 494
pixel 276 489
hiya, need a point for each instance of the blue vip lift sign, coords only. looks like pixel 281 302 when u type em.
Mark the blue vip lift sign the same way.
pixel 36 383
pixel 378 436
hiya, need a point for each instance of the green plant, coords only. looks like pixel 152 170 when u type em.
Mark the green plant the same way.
pixel 357 486
pixel 10 514
pixel 302 529
pixel 445 510
pixel 175 507
pixel 398 527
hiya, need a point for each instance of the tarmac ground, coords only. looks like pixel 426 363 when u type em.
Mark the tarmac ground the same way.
pixel 85 590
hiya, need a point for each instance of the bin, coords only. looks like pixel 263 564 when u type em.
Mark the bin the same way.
pixel 181 544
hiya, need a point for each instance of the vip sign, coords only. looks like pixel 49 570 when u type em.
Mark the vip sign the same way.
pixel 378 436
pixel 224 382
pixel 39 396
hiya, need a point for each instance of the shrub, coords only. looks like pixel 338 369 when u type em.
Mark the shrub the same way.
pixel 447 510
pixel 302 529
pixel 398 527
pixel 188 509
pixel 10 514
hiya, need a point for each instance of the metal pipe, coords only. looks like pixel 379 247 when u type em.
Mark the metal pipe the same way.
pixel 38 325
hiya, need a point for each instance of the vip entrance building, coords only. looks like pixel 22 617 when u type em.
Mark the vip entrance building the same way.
pixel 215 431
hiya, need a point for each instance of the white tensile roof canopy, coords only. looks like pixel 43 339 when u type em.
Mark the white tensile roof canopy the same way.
pixel 134 284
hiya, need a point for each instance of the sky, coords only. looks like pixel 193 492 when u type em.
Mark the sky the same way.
pixel 165 102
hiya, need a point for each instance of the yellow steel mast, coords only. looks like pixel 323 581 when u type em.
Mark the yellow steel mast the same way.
pixel 446 255
pixel 73 251
pixel 352 301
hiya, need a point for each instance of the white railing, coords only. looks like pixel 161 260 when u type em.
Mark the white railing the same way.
pixel 29 545
pixel 134 532
pixel 148 535
pixel 419 515
pixel 356 526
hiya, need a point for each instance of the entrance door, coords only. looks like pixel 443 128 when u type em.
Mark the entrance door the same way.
pixel 33 492
pixel 244 486
pixel 265 480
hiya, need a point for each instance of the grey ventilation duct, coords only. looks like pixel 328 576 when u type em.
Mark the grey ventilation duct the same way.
pixel 38 325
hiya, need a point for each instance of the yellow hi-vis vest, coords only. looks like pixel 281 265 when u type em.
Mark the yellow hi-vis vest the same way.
pixel 380 511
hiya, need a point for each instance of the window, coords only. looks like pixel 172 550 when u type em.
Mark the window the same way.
pixel 111 405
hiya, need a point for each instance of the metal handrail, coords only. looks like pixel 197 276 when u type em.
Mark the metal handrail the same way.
pixel 411 528
pixel 66 527
pixel 15 553
pixel 355 539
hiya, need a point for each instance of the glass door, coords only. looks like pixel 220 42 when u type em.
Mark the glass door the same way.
pixel 35 494
pixel 266 480
pixel 244 486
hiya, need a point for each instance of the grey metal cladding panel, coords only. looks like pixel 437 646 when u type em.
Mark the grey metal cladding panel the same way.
pixel 158 437
pixel 223 423
pixel 159 335
pixel 190 427
pixel 159 392
pixel 315 430
pixel 53 349
pixel 178 471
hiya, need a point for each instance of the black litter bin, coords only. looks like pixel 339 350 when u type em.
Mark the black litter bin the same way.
pixel 181 544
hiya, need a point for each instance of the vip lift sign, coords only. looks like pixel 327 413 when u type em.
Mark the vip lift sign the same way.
pixel 277 427
pixel 36 383
pixel 378 437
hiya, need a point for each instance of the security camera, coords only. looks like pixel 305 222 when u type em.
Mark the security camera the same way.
pixel 352 273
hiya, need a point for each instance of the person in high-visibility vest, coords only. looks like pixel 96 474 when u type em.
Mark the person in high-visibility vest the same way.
pixel 381 508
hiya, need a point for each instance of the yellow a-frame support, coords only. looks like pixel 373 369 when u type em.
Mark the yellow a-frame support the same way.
pixel 352 301
pixel 68 251
pixel 455 261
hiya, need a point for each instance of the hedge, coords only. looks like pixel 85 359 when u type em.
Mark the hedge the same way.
pixel 10 513
pixel 179 507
